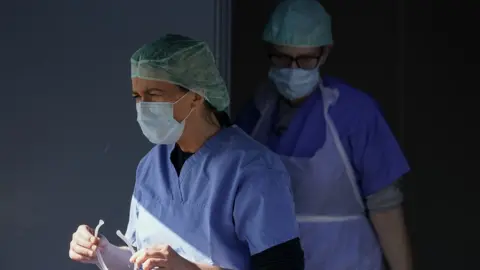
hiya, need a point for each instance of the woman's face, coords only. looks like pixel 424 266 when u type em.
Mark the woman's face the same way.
pixel 160 91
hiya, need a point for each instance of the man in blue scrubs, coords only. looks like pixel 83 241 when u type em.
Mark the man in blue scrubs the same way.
pixel 342 157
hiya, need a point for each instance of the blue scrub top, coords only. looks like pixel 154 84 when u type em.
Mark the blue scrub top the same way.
pixel 372 148
pixel 231 200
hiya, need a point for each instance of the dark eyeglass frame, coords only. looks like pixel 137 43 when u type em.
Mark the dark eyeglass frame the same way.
pixel 297 60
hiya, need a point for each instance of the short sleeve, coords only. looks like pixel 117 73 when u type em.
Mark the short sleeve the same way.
pixel 130 233
pixel 248 117
pixel 264 213
pixel 377 156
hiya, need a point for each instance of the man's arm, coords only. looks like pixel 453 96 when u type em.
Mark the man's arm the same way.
pixel 385 211
pixel 379 162
pixel 392 233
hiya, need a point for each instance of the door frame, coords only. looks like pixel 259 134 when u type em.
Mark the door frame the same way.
pixel 222 40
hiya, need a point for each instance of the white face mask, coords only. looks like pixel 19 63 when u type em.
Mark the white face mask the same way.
pixel 294 83
pixel 157 122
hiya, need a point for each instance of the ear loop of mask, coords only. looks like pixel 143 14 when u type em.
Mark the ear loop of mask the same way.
pixel 100 263
pixel 191 110
pixel 178 100
pixel 130 247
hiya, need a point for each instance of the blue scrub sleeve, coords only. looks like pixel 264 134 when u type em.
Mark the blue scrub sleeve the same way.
pixel 248 117
pixel 264 212
pixel 130 233
pixel 377 156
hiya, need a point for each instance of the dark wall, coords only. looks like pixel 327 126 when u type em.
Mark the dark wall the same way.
pixel 441 134
pixel 411 57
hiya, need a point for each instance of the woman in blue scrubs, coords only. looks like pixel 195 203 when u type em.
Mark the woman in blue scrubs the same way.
pixel 206 196
pixel 342 157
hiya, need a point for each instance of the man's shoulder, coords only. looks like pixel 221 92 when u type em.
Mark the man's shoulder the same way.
pixel 352 102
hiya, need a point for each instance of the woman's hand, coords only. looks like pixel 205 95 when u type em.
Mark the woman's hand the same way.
pixel 84 244
pixel 163 257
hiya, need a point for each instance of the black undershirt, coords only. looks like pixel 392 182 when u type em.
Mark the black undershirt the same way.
pixel 178 158
pixel 285 256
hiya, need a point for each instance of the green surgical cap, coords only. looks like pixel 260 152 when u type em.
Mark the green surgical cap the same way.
pixel 299 23
pixel 182 61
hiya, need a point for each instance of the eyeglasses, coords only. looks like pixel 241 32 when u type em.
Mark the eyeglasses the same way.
pixel 302 61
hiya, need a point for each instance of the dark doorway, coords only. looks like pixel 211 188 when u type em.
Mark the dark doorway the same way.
pixel 408 58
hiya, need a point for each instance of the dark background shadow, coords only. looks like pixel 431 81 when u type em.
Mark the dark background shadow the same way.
pixel 411 57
